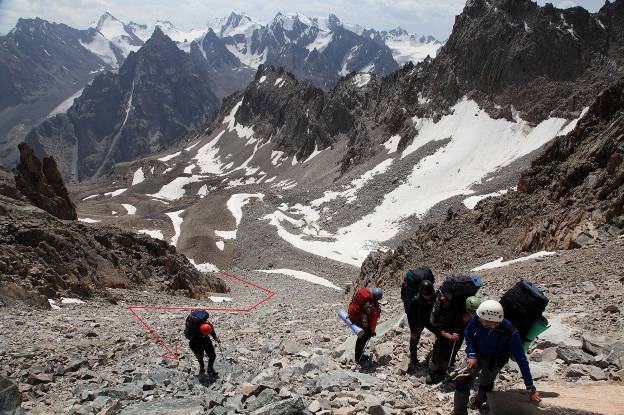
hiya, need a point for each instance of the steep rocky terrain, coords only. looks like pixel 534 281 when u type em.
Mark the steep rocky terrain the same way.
pixel 157 96
pixel 571 195
pixel 292 355
pixel 41 64
pixel 45 257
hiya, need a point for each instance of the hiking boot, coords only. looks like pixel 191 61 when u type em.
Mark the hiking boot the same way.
pixel 201 371
pixel 474 404
pixel 211 372
pixel 433 378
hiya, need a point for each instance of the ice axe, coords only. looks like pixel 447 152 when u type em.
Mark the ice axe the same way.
pixel 461 372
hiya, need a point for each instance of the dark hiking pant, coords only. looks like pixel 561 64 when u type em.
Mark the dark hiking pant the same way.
pixel 487 370
pixel 361 342
pixel 415 333
pixel 200 345
pixel 444 350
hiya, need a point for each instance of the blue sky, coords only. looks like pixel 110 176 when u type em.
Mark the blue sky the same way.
pixel 417 16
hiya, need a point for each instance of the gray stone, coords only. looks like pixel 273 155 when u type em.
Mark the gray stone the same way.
pixel 261 400
pixel 600 345
pixel 75 365
pixel 186 406
pixel 571 354
pixel 292 406
pixel 122 392
pixel 100 402
pixel 10 396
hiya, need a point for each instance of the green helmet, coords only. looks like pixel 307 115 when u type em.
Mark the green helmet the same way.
pixel 472 303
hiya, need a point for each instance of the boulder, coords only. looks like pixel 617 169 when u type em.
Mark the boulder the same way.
pixel 610 350
pixel 10 396
pixel 571 354
pixel 291 406
pixel 43 185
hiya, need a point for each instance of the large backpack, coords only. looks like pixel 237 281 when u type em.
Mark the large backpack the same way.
pixel 411 284
pixel 360 298
pixel 193 322
pixel 523 305
pixel 449 314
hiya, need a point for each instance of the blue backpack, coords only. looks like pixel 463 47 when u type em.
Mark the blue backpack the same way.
pixel 193 322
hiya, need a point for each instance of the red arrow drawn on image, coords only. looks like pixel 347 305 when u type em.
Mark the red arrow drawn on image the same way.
pixel 173 353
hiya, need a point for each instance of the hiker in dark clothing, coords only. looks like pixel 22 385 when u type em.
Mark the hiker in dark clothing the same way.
pixel 490 340
pixel 419 318
pixel 202 343
pixel 448 317
pixel 364 311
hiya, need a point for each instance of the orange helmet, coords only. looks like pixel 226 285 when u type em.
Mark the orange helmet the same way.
pixel 206 329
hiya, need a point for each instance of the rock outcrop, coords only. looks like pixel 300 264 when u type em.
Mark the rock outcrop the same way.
pixel 43 185
pixel 43 257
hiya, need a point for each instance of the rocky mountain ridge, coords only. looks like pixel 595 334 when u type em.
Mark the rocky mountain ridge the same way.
pixel 42 64
pixel 375 109
pixel 158 95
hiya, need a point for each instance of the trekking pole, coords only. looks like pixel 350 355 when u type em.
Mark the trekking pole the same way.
pixel 448 366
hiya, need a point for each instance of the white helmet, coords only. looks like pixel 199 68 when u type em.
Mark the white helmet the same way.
pixel 491 310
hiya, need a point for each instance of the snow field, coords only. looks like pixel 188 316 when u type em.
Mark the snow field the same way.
pixel 478 145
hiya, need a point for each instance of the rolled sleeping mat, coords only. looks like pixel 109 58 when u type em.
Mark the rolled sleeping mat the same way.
pixel 538 327
pixel 344 316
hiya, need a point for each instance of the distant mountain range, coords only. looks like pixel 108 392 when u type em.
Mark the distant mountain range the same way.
pixel 45 65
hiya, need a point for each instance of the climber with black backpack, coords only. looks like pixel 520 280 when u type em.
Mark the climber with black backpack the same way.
pixel 198 331
pixel 419 318
pixel 449 316
pixel 411 284
pixel 490 341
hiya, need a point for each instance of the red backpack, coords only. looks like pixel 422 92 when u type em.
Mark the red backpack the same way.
pixel 360 298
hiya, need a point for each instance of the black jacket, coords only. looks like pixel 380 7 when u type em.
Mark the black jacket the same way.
pixel 419 313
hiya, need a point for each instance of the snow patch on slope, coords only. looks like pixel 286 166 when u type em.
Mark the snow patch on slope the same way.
pixel 304 276
pixel 478 146
pixel 176 220
pixel 500 263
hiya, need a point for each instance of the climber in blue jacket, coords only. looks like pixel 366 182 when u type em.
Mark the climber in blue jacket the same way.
pixel 490 340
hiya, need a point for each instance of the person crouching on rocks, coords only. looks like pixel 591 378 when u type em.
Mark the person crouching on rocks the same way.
pixel 199 331
pixel 490 340
pixel 364 311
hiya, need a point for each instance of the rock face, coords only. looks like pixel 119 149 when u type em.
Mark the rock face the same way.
pixel 42 257
pixel 515 59
pixel 540 60
pixel 43 185
pixel 157 96
pixel 571 195
pixel 42 64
